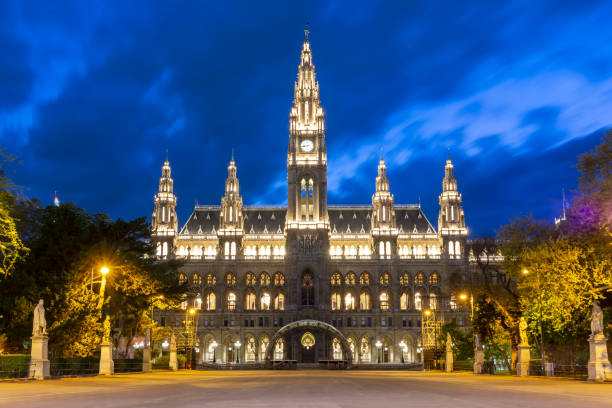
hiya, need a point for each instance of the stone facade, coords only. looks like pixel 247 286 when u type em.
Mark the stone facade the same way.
pixel 368 270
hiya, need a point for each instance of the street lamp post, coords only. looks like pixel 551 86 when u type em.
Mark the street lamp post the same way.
pixel 378 346
pixel 237 344
pixel 214 347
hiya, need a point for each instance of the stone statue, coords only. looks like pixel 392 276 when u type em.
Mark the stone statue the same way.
pixel 107 330
pixel 173 342
pixel 596 320
pixel 40 324
pixel 523 330
pixel 449 343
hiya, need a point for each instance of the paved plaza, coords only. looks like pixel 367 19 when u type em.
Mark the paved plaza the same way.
pixel 315 388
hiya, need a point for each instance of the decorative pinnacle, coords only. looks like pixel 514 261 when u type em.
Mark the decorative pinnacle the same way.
pixel 306 31
pixel 232 154
pixel 166 154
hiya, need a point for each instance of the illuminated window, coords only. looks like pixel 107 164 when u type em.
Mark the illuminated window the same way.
pixel 364 350
pixel 350 279
pixel 388 249
pixel 264 279
pixel 230 279
pixel 384 301
pixel 182 278
pixel 307 290
pixel 210 301
pixel 279 350
pixel 381 248
pixel 419 280
pixel 251 349
pixel 196 279
pixel 364 301
pixel 250 279
pixel 249 301
pixel 451 248
pixel 279 302
pixel 349 302
pixel 279 279
pixel 433 279
pixel 417 301
pixel 263 346
pixel 336 279
pixel 210 279
pixel 404 301
pixel 433 301
pixel 233 250
pixel 227 250
pixel 457 248
pixel 336 301
pixel 453 302
pixel 384 279
pixel 265 301
pixel 364 279
pixel 405 279
pixel 231 301
pixel 337 349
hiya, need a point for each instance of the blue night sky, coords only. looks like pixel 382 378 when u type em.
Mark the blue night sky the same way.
pixel 93 93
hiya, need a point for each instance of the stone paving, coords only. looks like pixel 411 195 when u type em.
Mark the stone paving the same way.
pixel 307 388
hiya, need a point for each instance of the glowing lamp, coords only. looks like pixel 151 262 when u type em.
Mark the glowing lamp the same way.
pixel 104 270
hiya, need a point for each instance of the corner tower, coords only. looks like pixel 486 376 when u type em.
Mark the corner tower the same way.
pixel 451 219
pixel 384 233
pixel 164 222
pixel 307 160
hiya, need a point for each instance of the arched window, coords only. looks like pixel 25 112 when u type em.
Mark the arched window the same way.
pixel 279 302
pixel 210 279
pixel 182 278
pixel 307 290
pixel 226 252
pixel 433 279
pixel 279 350
pixel 264 279
pixel 336 279
pixel 384 301
pixel 433 301
pixel 251 349
pixel 457 248
pixel 165 249
pixel 417 301
pixel 364 301
pixel 451 248
pixel 279 279
pixel 230 279
pixel 233 250
pixel 364 279
pixel 307 200
pixel 419 280
pixel 349 302
pixel 453 302
pixel 250 279
pixel 350 279
pixel 265 301
pixel 263 345
pixel 196 279
pixel 364 350
pixel 388 249
pixel 249 301
pixel 336 301
pixel 404 301
pixel 231 301
pixel 384 278
pixel 210 301
pixel 405 279
pixel 381 249
pixel 337 349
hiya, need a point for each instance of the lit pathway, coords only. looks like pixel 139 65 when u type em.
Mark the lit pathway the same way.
pixel 316 388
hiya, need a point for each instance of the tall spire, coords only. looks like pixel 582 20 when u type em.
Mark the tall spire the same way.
pixel 164 221
pixel 451 218
pixel 382 200
pixel 231 203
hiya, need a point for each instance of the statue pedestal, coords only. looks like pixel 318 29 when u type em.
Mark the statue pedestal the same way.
pixel 478 361
pixel 146 360
pixel 522 364
pixel 448 363
pixel 173 361
pixel 599 364
pixel 107 366
pixel 40 367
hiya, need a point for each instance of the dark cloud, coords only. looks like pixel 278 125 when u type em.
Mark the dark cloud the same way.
pixel 93 94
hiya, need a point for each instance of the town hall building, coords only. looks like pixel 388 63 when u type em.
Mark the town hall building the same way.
pixel 314 282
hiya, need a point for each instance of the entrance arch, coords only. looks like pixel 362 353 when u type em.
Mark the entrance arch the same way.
pixel 310 324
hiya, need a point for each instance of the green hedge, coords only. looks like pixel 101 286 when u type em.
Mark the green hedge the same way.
pixel 163 362
pixel 14 365
pixel 61 366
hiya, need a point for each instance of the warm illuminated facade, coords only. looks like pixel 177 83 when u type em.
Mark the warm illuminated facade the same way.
pixel 364 273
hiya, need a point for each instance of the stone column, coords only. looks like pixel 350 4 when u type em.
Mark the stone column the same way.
pixel 40 367
pixel 599 365
pixel 478 360
pixel 448 364
pixel 146 360
pixel 522 364
pixel 107 366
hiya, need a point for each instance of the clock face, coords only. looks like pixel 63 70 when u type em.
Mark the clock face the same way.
pixel 306 145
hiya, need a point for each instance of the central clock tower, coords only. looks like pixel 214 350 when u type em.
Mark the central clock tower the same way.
pixel 307 159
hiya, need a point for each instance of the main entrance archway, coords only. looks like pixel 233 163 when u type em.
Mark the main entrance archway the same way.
pixel 308 326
